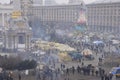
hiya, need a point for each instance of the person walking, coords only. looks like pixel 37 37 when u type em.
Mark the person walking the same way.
pixel 73 69
pixel 19 77
pixel 10 76
pixel 102 76
pixel 82 63
pixel 67 71
pixel 88 70
pixel 78 69
pixel 106 77
pixel 96 71
pixel 110 76
pixel 1 76
pixel 93 71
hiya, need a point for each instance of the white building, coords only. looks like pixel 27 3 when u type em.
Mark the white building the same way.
pixel 39 2
pixel 49 2
pixel 16 31
pixel 5 11
pixel 75 1
pixel 104 16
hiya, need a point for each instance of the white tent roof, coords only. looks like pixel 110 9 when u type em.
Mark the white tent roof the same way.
pixel 86 52
pixel 115 41
pixel 98 42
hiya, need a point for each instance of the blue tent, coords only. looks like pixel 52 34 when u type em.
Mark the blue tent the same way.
pixel 98 42
pixel 80 28
pixel 75 55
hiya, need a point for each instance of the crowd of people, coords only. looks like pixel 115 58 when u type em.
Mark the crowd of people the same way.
pixel 89 70
pixel 64 73
pixel 4 75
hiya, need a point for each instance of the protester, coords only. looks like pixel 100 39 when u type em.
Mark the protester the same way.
pixel 93 71
pixel 96 71
pixel 110 76
pixel 102 77
pixel 19 77
pixel 106 77
pixel 67 71
pixel 73 69
pixel 82 63
pixel 78 69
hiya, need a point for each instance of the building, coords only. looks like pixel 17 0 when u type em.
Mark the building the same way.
pixel 39 2
pixel 48 18
pixel 104 16
pixel 49 2
pixel 51 18
pixel 17 33
pixel 17 36
pixel 57 13
pixel 75 1
pixel 5 11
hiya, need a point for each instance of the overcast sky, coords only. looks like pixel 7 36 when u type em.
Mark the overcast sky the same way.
pixel 58 1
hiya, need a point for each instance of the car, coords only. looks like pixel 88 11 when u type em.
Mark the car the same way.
pixel 115 71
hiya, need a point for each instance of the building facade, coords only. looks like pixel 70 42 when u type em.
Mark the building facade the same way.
pixel 49 2
pixel 75 1
pixel 104 16
pixel 49 19
pixel 55 18
pixel 16 31
pixel 5 11
pixel 17 36
pixel 57 13
pixel 39 2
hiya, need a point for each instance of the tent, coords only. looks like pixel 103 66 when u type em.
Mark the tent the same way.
pixel 115 41
pixel 98 42
pixel 65 57
pixel 86 52
pixel 75 55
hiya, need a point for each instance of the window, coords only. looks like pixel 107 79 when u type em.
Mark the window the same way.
pixel 21 40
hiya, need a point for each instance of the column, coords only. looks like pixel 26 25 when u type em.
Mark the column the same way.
pixel 14 42
pixel 26 42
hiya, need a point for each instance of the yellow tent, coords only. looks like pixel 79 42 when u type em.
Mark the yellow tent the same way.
pixel 64 56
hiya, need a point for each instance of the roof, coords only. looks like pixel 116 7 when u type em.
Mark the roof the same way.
pixel 106 1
